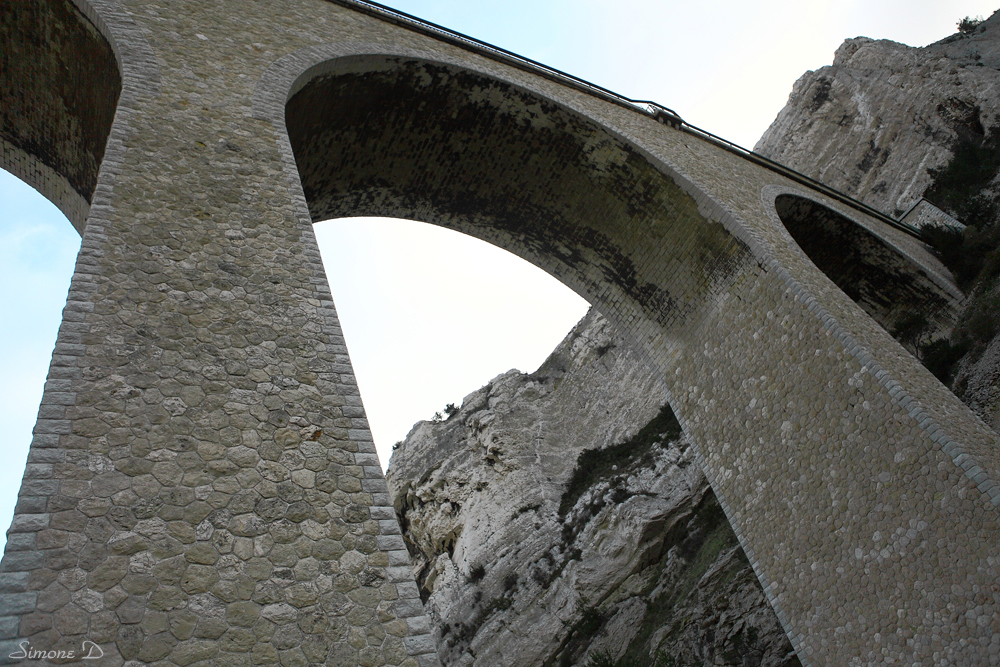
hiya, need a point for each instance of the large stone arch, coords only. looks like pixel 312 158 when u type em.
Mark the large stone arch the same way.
pixel 202 421
pixel 406 137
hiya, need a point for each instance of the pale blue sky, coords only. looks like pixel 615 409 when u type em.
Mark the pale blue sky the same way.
pixel 430 315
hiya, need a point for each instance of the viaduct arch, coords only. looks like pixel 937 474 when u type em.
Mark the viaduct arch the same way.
pixel 202 485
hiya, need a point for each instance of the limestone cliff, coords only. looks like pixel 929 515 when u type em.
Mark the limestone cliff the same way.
pixel 884 123
pixel 872 123
pixel 557 518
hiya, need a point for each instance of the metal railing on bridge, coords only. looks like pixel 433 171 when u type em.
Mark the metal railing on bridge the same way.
pixel 655 110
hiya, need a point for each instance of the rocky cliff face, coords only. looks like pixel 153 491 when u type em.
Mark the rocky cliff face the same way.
pixel 875 121
pixel 558 518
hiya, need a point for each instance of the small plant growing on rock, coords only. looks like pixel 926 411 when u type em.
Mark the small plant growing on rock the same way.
pixel 968 25
pixel 476 573
pixel 602 659
pixel 590 621
pixel 449 410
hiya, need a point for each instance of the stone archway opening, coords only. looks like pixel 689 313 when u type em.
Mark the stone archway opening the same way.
pixel 431 315
pixel 407 138
pixel 60 83
pixel 899 295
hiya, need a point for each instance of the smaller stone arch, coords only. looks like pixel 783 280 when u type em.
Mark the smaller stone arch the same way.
pixel 887 281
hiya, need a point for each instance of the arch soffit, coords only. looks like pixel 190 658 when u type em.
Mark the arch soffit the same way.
pixel 291 73
pixel 140 80
pixel 917 256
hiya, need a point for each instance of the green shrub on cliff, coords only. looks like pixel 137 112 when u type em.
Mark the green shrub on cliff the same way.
pixel 968 25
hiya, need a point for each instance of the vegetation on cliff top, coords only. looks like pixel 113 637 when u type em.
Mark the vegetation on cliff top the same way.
pixel 968 25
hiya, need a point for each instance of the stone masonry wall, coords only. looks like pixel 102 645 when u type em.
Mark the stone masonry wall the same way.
pixel 203 489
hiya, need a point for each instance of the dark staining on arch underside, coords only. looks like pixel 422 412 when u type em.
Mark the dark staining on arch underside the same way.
pixel 888 286
pixel 411 139
pixel 59 88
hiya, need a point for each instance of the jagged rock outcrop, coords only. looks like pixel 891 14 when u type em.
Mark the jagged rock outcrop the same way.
pixel 875 121
pixel 526 558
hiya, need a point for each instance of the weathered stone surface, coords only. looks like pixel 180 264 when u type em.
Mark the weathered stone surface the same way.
pixel 198 579
pixel 640 560
pixel 199 280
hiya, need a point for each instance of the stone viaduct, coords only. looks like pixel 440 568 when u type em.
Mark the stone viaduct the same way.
pixel 202 488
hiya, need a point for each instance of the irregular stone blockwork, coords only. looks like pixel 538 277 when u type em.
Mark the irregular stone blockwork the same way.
pixel 202 485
